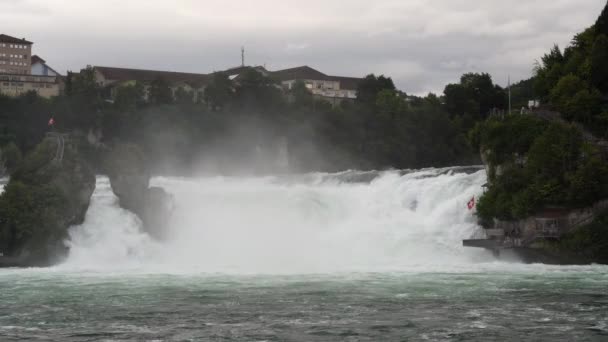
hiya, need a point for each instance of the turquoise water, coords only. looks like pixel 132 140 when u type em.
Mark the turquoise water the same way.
pixel 533 303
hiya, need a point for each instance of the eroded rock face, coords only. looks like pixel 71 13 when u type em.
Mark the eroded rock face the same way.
pixel 44 197
pixel 131 184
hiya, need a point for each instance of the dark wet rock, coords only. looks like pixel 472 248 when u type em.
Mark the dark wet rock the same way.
pixel 130 182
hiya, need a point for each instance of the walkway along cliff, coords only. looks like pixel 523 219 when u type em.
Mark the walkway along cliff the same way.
pixel 528 237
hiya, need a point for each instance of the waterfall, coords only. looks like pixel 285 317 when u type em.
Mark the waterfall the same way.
pixel 343 222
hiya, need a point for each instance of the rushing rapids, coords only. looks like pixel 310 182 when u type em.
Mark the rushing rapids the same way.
pixel 350 221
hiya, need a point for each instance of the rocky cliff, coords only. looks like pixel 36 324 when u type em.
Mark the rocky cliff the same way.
pixel 48 192
pixel 547 183
pixel 130 182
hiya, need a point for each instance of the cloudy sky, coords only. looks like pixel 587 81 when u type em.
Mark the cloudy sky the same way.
pixel 422 44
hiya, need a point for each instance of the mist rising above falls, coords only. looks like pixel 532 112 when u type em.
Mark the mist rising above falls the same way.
pixel 351 221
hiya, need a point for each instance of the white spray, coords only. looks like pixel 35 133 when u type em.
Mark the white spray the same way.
pixel 300 224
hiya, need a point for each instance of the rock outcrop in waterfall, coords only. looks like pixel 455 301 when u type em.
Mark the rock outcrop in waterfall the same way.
pixel 130 181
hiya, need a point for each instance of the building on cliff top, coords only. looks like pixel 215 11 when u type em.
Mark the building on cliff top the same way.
pixel 20 72
pixel 334 89
pixel 111 78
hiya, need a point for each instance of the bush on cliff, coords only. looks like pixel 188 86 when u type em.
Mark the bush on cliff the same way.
pixel 589 242
pixel 10 156
pixel 540 166
pixel 43 198
pixel 31 216
pixel 506 138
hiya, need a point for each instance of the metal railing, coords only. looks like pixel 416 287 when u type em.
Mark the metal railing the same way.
pixel 60 139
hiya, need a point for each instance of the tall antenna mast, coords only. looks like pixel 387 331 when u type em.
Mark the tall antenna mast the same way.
pixel 509 80
pixel 242 56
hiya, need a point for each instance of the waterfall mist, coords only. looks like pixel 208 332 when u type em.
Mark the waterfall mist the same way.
pixel 311 223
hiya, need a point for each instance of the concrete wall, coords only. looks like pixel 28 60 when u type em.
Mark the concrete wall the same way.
pixel 15 85
pixel 550 227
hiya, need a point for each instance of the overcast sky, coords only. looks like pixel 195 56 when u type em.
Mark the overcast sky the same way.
pixel 422 44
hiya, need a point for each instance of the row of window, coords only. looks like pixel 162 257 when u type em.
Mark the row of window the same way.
pixel 21 84
pixel 13 46
pixel 14 71
pixel 14 63
pixel 13 56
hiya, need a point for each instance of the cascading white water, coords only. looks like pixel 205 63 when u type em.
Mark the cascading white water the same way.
pixel 296 224
pixel 3 182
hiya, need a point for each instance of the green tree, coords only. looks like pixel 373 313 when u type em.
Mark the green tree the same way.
pixel 160 92
pixel 10 156
pixel 183 96
pixel 599 63
pixel 565 88
pixel 219 92
pixel 128 97
pixel 255 91
pixel 601 25
pixel 475 95
pixel 370 86
pixel 583 106
pixel 302 97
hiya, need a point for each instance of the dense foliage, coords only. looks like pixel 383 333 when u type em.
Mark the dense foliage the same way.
pixel 575 81
pixel 534 163
pixel 557 160
pixel 589 242
pixel 242 124
pixel 41 200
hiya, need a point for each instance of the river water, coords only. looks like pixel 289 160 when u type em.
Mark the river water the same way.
pixel 320 257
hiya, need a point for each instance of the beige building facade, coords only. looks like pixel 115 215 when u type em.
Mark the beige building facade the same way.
pixel 114 78
pixel 334 89
pixel 15 85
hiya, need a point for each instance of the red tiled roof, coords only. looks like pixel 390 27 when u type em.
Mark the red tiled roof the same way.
pixel 124 74
pixel 9 39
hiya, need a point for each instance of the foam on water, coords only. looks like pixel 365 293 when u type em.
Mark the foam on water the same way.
pixel 3 182
pixel 306 224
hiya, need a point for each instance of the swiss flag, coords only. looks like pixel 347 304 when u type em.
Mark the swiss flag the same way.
pixel 471 203
pixel 51 122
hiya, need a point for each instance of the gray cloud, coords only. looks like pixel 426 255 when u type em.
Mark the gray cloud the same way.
pixel 422 44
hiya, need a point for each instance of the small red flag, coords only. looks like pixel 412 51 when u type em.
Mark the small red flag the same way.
pixel 51 122
pixel 471 203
